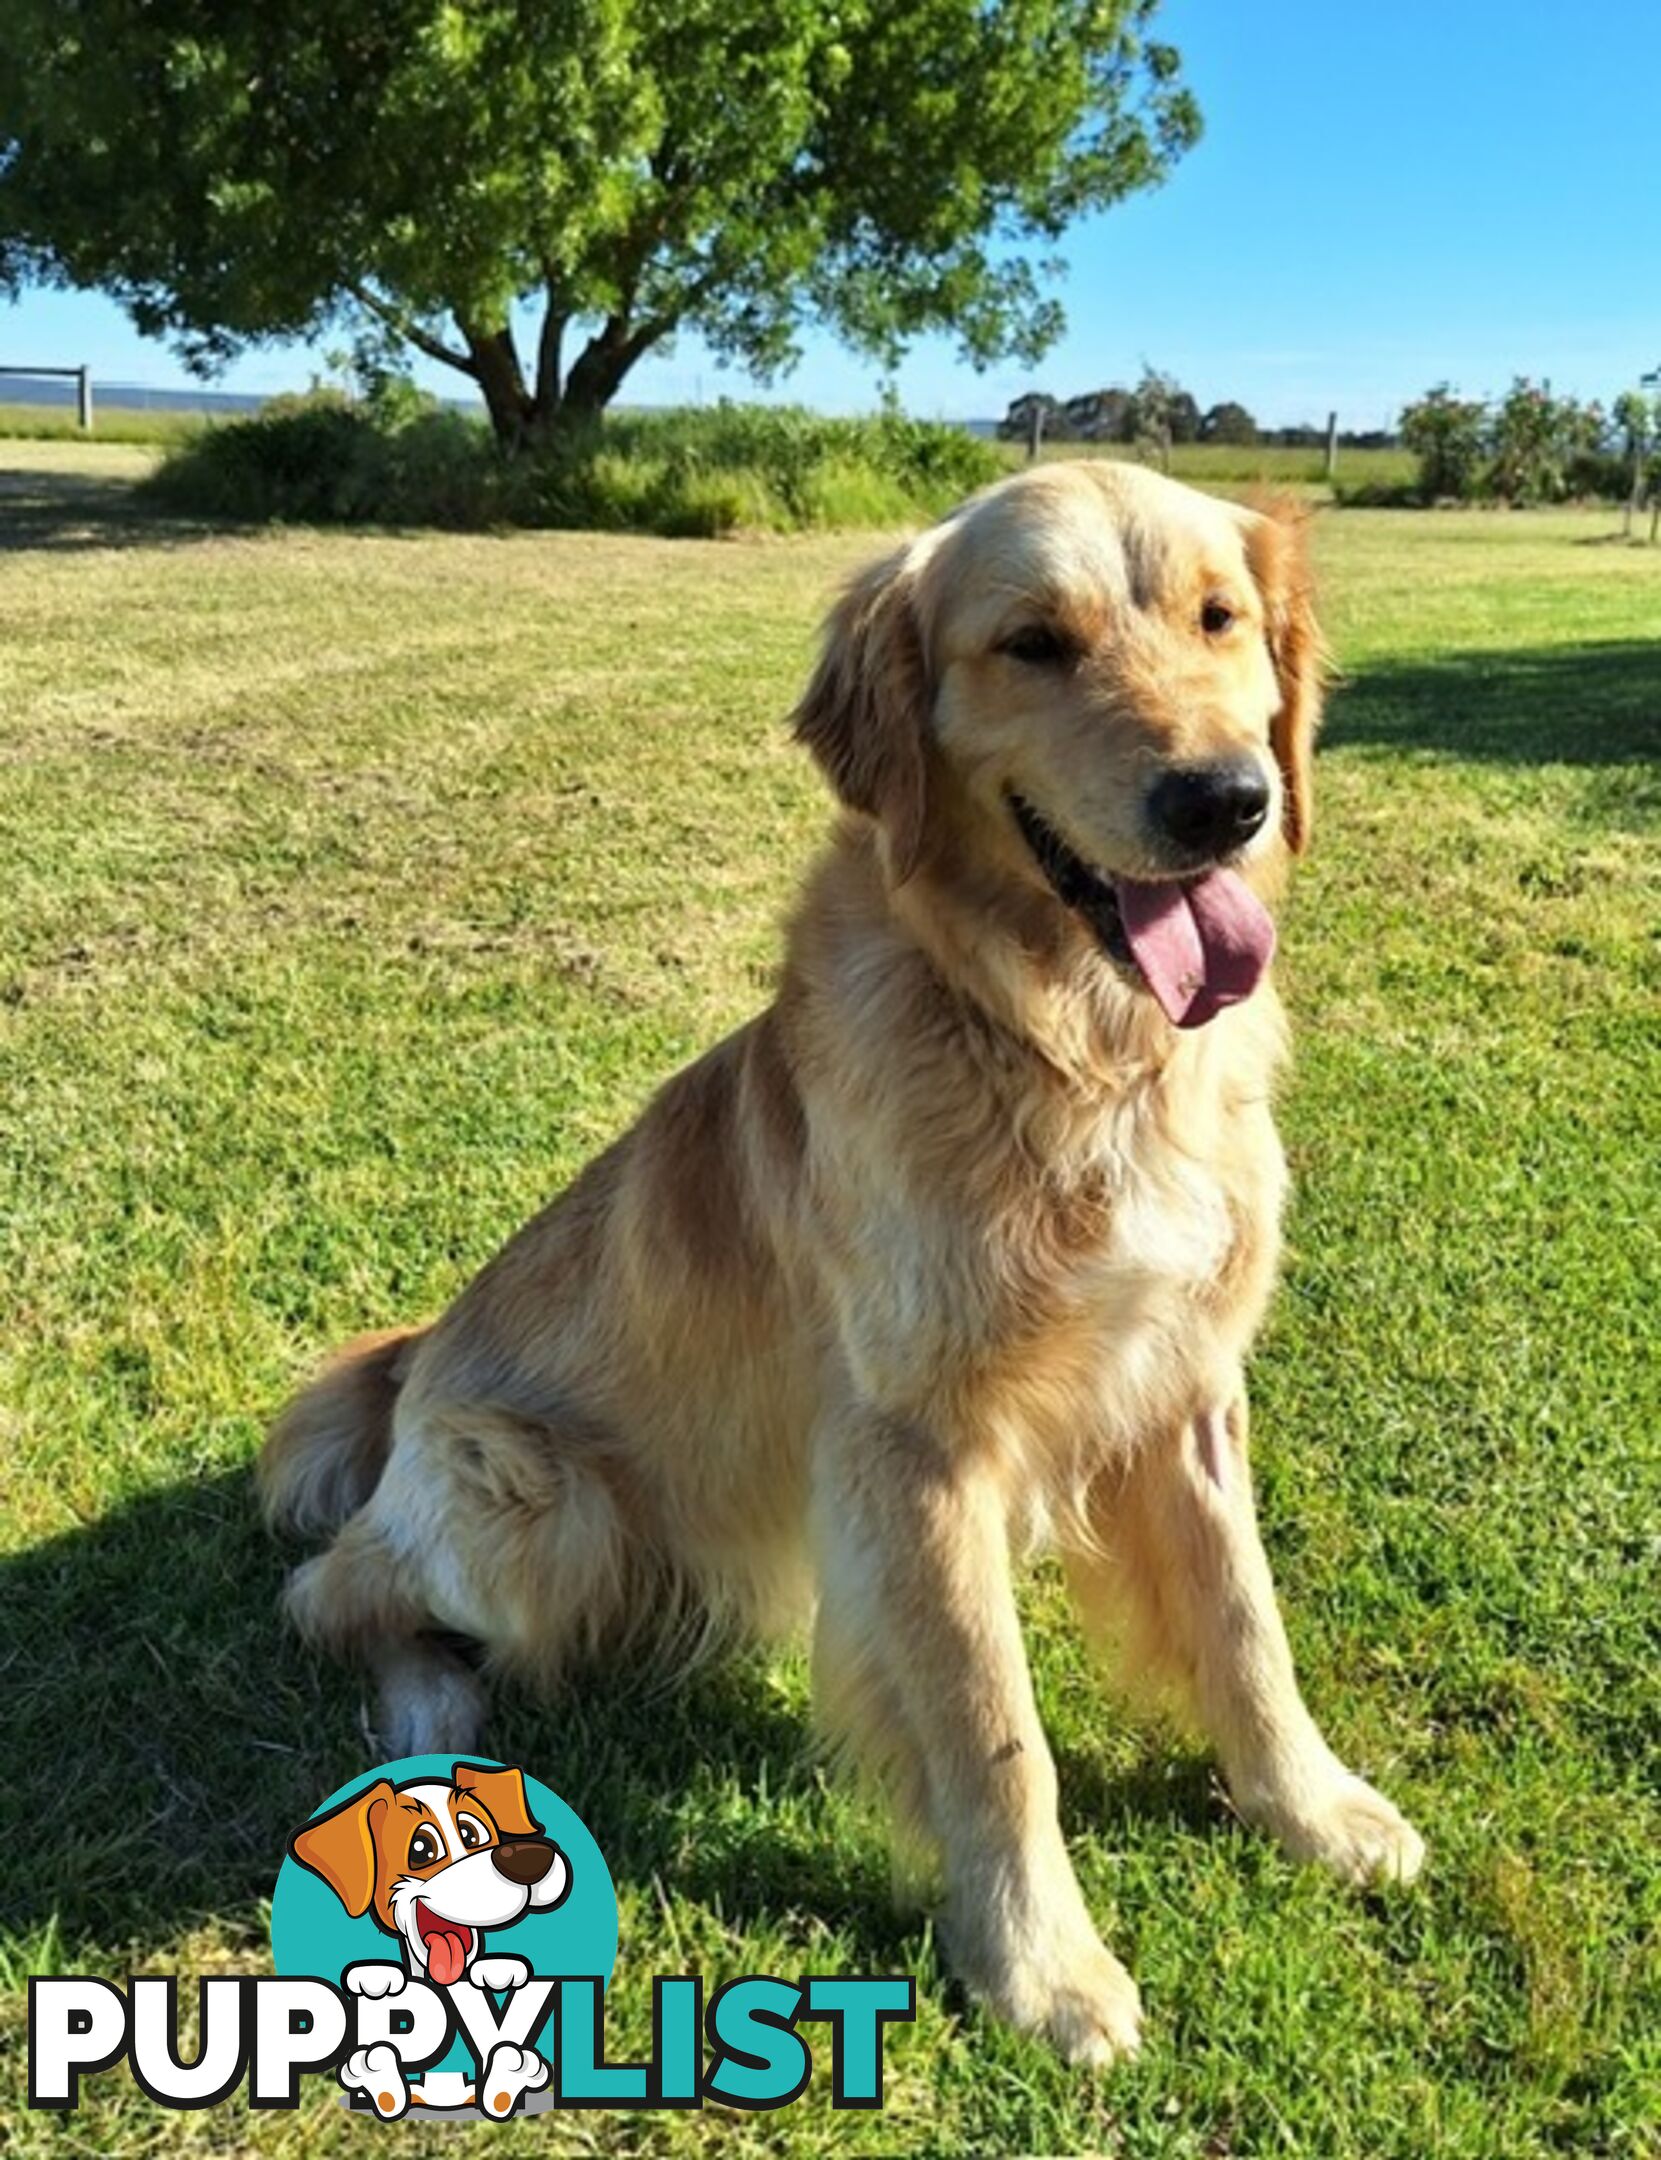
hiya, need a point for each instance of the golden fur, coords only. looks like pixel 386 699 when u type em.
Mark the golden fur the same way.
pixel 958 1245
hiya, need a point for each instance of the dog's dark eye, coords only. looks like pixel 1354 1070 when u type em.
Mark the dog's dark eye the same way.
pixel 1215 617
pixel 423 1849
pixel 470 1832
pixel 1037 646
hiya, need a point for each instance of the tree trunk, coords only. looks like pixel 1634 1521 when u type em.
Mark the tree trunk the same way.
pixel 597 372
pixel 545 405
pixel 521 416
pixel 501 381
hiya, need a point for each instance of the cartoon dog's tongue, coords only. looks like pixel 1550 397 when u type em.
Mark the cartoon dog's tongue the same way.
pixel 447 1953
pixel 1200 945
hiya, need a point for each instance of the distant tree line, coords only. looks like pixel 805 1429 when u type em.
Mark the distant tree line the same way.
pixel 1157 413
pixel 1532 446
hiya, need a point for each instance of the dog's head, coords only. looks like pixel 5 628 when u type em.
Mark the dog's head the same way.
pixel 437 1861
pixel 1090 680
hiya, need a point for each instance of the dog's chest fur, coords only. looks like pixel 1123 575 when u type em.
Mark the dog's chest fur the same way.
pixel 1081 1273
pixel 1126 1289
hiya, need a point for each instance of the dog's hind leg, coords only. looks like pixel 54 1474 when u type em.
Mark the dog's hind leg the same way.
pixel 484 1525
pixel 355 1601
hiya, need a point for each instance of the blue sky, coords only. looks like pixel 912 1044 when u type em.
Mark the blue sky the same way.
pixel 1385 196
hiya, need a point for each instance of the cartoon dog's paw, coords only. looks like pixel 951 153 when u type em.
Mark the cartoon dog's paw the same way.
pixel 510 2072
pixel 375 1978
pixel 377 2074
pixel 497 1973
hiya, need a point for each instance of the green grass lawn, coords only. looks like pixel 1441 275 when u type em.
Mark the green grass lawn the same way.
pixel 358 887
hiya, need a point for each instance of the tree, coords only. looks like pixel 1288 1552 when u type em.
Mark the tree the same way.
pixel 1182 417
pixel 1162 413
pixel 1101 415
pixel 1536 440
pixel 1638 429
pixel 742 168
pixel 1229 423
pixel 1053 423
pixel 1445 432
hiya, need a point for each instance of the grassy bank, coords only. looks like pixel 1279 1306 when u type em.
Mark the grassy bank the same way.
pixel 359 886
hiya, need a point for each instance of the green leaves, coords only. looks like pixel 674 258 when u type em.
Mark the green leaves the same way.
pixel 743 167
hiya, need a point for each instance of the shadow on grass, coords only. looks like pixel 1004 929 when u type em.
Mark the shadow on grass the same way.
pixel 1590 705
pixel 166 1734
pixel 68 513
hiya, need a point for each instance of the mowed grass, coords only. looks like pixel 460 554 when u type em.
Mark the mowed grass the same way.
pixel 357 888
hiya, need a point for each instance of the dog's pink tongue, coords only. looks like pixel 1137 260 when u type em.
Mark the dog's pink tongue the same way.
pixel 1201 946
pixel 447 1955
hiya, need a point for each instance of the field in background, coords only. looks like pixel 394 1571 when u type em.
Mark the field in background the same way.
pixel 1253 465
pixel 1206 464
pixel 358 887
pixel 111 423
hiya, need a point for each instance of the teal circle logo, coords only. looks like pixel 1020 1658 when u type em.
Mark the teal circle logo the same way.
pixel 455 1871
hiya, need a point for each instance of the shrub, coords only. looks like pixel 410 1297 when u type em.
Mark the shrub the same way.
pixel 1537 439
pixel 1446 434
pixel 396 459
pixel 1531 447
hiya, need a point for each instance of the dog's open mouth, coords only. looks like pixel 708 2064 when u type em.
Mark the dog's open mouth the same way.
pixel 448 1944
pixel 1199 943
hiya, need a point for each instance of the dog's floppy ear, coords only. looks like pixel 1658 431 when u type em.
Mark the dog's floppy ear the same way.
pixel 865 713
pixel 1276 551
pixel 340 1846
pixel 503 1795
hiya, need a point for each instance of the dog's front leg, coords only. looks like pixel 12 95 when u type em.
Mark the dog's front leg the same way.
pixel 1178 1538
pixel 919 1664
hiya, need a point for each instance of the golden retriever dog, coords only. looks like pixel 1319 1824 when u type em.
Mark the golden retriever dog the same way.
pixel 955 1249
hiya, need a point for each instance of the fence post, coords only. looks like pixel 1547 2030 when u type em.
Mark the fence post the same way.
pixel 1331 444
pixel 83 398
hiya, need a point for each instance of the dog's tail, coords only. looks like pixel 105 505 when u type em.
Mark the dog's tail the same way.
pixel 324 1455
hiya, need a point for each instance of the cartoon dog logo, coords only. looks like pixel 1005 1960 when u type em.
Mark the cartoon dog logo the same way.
pixel 435 1862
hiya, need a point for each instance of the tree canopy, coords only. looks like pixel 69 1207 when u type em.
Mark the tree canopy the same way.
pixel 744 168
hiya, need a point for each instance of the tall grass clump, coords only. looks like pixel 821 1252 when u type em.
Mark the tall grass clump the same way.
pixel 397 458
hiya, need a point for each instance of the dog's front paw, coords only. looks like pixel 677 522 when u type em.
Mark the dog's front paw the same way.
pixel 377 2074
pixel 375 1978
pixel 497 1973
pixel 1348 1827
pixel 510 2072
pixel 1064 1986
pixel 1090 2011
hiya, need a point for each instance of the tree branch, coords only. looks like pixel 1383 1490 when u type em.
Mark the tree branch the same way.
pixel 409 329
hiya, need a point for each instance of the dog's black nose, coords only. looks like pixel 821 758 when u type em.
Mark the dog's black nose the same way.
pixel 523 1860
pixel 1210 808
